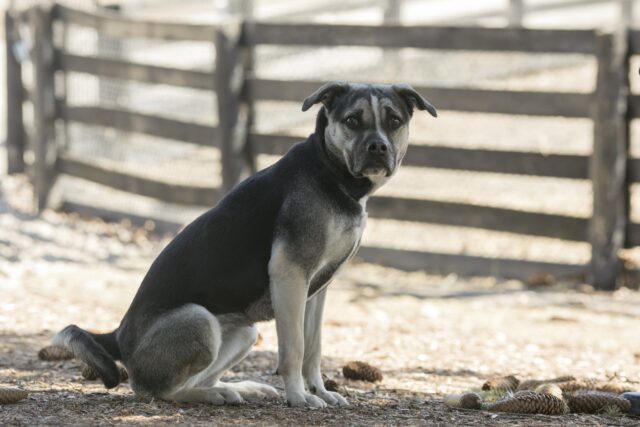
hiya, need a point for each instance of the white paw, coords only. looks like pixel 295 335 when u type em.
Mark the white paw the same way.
pixel 269 392
pixel 214 398
pixel 304 399
pixel 252 391
pixel 332 398
pixel 230 396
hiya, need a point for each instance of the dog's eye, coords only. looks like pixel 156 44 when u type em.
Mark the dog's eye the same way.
pixel 352 122
pixel 394 123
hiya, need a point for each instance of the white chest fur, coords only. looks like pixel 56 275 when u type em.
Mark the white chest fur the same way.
pixel 343 237
pixel 341 243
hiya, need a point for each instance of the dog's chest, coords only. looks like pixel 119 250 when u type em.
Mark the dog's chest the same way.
pixel 342 241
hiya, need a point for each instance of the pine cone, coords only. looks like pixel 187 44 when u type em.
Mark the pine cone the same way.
pixel 532 384
pixel 330 385
pixel 594 402
pixel 468 400
pixel 361 371
pixel 508 383
pixel 551 389
pixel 11 395
pixel 577 385
pixel 88 373
pixel 594 385
pixel 615 388
pixel 54 352
pixel 528 402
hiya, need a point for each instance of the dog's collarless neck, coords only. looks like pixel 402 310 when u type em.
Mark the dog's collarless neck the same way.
pixel 357 188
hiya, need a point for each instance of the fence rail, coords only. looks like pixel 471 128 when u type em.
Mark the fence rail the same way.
pixel 421 37
pixel 130 121
pixel 468 159
pixel 472 100
pixel 238 91
pixel 468 215
pixel 126 70
pixel 167 192
pixel 469 265
pixel 110 24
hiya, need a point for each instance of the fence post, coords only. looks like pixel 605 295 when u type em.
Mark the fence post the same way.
pixel 248 64
pixel 233 111
pixel 110 91
pixel 626 13
pixel 15 98
pixel 607 227
pixel 392 15
pixel 43 104
pixel 392 12
pixel 515 13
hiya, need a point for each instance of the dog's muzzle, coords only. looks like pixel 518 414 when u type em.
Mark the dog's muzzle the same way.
pixel 375 159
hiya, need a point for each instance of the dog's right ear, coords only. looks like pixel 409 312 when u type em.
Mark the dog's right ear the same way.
pixel 325 94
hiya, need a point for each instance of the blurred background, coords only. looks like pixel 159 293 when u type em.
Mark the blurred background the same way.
pixel 498 278
pixel 159 158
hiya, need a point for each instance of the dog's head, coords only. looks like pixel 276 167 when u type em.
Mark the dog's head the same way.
pixel 368 125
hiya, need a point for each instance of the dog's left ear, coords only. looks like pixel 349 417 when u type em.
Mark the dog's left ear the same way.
pixel 414 99
pixel 325 94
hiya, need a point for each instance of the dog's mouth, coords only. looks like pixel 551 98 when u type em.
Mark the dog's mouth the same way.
pixel 373 172
pixel 373 169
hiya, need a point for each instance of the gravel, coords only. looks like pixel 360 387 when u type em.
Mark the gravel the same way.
pixel 429 335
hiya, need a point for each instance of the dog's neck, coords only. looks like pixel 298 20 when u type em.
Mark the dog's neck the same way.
pixel 357 188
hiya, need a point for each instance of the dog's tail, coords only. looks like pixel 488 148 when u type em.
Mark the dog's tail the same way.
pixel 99 351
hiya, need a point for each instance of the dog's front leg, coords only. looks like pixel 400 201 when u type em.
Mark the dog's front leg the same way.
pixel 289 288
pixel 313 352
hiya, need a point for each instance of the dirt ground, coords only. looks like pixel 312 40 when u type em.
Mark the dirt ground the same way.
pixel 429 335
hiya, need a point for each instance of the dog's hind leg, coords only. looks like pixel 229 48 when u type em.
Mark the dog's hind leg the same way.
pixel 177 347
pixel 182 356
pixel 238 337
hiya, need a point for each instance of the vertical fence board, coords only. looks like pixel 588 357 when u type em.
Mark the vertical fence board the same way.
pixel 43 104
pixel 110 92
pixel 608 160
pixel 233 113
pixel 248 63
pixel 626 13
pixel 15 98
pixel 515 13
pixel 392 15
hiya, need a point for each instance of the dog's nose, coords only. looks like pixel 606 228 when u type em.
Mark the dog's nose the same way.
pixel 377 147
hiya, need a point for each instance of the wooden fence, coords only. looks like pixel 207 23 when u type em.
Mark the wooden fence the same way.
pixel 237 89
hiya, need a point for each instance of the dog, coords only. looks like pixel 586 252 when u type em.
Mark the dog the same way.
pixel 267 250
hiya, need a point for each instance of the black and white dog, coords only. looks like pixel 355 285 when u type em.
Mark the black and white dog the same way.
pixel 267 250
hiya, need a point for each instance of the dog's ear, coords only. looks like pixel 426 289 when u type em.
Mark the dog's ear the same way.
pixel 325 94
pixel 414 99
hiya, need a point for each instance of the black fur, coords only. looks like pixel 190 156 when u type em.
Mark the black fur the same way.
pixel 87 348
pixel 109 343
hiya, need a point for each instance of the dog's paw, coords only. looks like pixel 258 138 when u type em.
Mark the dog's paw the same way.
pixel 252 391
pixel 332 398
pixel 229 396
pixel 298 400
